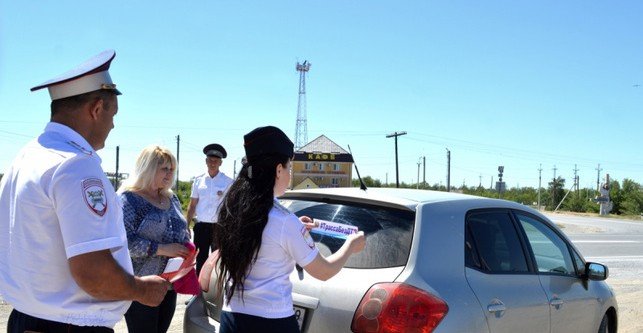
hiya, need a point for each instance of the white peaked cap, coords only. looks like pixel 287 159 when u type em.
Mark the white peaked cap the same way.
pixel 89 76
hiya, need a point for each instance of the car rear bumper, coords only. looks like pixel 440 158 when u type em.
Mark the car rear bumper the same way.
pixel 196 319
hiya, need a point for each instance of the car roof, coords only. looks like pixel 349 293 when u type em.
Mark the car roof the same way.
pixel 395 197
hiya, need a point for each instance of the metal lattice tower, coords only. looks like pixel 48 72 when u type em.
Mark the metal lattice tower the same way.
pixel 301 129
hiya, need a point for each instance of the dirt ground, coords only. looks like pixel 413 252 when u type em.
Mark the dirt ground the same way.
pixel 175 327
pixel 629 295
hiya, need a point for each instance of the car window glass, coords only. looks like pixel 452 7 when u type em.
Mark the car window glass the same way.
pixel 471 255
pixel 492 244
pixel 580 264
pixel 551 252
pixel 388 231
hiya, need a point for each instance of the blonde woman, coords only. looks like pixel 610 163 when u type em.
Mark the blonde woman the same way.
pixel 156 231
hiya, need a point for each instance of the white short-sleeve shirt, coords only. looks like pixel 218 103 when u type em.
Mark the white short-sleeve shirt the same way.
pixel 267 289
pixel 56 203
pixel 210 192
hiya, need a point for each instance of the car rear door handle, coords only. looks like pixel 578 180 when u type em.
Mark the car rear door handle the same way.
pixel 556 302
pixel 496 307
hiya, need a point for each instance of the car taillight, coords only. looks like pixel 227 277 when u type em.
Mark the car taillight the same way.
pixel 398 307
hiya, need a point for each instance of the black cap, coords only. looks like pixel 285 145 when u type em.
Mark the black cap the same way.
pixel 267 140
pixel 216 150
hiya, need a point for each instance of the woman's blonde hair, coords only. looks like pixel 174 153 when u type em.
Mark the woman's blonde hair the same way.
pixel 148 162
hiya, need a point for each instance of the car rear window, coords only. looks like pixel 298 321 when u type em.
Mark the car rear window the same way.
pixel 388 231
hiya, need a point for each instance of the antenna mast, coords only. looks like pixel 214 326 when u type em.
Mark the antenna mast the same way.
pixel 301 130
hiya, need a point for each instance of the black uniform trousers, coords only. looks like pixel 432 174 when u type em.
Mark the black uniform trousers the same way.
pixel 141 318
pixel 232 322
pixel 20 322
pixel 204 241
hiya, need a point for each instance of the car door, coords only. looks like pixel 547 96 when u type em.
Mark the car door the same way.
pixel 498 273
pixel 572 306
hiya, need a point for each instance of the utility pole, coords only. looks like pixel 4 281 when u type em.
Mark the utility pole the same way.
pixel 448 170
pixel 397 170
pixel 540 172
pixel 178 141
pixel 554 168
pixel 418 183
pixel 424 170
pixel 598 177
pixel 553 189
pixel 116 175
pixel 576 179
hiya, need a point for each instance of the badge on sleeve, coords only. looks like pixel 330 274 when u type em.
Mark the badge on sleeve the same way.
pixel 94 195
pixel 309 239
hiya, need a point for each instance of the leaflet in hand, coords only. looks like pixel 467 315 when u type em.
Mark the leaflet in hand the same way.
pixel 332 229
pixel 176 268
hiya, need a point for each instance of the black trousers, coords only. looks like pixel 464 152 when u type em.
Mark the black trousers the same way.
pixel 150 319
pixel 204 241
pixel 20 322
pixel 233 322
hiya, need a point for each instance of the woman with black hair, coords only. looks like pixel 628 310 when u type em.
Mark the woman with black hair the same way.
pixel 260 241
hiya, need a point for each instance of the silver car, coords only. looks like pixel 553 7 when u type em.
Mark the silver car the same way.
pixel 439 262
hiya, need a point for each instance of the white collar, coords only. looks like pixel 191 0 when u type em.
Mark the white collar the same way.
pixel 72 137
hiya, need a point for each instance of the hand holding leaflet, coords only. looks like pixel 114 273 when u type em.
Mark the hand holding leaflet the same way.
pixel 178 267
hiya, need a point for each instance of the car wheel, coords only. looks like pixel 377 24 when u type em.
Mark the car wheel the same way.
pixel 604 328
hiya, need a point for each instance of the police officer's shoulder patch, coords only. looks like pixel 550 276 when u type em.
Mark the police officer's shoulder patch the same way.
pixel 94 195
pixel 309 239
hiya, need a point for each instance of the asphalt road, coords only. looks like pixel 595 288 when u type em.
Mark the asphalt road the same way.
pixel 613 242
pixel 619 245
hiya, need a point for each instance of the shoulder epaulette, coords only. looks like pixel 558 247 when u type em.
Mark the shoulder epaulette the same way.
pixel 80 148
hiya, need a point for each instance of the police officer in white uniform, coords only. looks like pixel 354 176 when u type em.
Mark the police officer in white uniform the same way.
pixel 208 190
pixel 64 263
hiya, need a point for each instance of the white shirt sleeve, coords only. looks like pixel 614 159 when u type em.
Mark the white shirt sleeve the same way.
pixel 297 241
pixel 88 210
pixel 195 186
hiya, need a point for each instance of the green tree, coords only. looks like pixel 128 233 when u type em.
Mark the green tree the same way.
pixel 616 196
pixel 557 191
pixel 368 181
pixel 627 198
pixel 632 198
pixel 575 202
pixel 184 194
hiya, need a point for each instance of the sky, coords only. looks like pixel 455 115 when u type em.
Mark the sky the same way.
pixel 529 85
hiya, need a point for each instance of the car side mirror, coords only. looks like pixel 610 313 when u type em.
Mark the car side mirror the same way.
pixel 595 271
